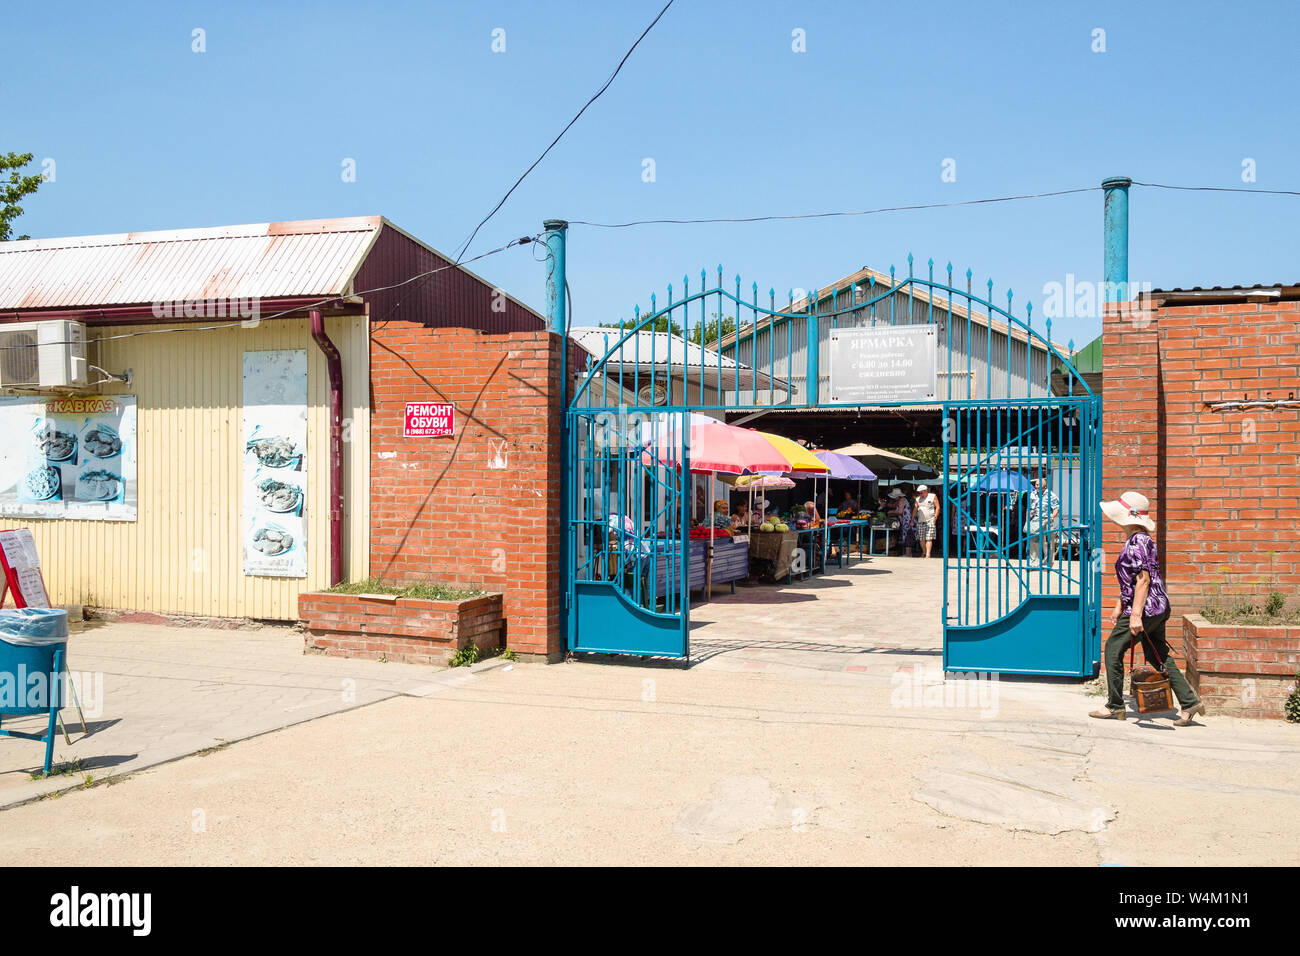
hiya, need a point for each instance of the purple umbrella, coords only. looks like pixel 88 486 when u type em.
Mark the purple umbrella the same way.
pixel 842 466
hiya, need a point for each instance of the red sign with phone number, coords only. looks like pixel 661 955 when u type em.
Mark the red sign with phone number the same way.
pixel 425 420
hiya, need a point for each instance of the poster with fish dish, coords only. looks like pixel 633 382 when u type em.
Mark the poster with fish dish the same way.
pixel 274 525
pixel 76 457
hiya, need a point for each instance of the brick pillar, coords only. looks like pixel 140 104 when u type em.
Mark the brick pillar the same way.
pixel 481 509
pixel 1132 433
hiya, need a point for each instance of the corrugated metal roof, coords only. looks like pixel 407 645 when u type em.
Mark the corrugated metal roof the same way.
pixel 645 348
pixel 1231 288
pixel 262 260
pixel 883 283
pixel 671 353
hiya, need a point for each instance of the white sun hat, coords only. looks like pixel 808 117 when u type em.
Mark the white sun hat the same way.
pixel 1129 509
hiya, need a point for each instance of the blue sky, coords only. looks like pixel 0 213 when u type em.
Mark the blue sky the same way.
pixel 147 134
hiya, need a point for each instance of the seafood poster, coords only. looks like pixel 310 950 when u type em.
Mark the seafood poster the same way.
pixel 68 457
pixel 274 525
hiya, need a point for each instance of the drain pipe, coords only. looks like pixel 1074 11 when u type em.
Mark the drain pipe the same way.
pixel 335 365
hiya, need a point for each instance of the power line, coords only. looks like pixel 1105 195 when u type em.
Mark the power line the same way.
pixel 918 206
pixel 1223 189
pixel 593 99
pixel 828 215
pixel 645 222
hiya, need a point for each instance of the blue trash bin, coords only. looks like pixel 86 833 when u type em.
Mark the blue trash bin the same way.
pixel 33 655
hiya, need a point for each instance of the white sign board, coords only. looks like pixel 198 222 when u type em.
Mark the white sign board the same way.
pixel 21 558
pixel 884 363
pixel 68 457
pixel 275 457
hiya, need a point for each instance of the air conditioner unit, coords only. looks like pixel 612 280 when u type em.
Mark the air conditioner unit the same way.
pixel 50 354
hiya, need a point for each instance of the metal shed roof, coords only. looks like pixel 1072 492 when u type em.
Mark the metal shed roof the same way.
pixel 1275 292
pixel 645 349
pixel 317 257
pixel 883 282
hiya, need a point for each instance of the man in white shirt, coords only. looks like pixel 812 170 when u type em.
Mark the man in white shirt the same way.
pixel 1044 508
pixel 927 513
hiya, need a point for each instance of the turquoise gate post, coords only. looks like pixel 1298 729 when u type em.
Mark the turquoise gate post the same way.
pixel 555 310
pixel 1115 239
pixel 812 372
pixel 557 321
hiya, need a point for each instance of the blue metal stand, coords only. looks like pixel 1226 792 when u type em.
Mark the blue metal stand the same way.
pixel 25 662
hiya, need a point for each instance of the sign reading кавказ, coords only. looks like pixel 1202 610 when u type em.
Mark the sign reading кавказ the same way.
pixel 884 363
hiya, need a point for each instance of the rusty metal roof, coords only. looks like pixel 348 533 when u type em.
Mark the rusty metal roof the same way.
pixel 1232 288
pixel 263 260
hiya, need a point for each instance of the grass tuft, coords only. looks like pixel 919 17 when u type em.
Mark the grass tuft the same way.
pixel 424 592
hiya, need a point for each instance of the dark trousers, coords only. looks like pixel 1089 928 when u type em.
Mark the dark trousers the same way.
pixel 1153 637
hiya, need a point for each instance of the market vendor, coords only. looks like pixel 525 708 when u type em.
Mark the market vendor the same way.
pixel 849 504
pixel 720 517
pixel 811 512
pixel 740 519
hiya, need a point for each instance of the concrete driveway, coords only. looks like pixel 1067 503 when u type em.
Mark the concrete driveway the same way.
pixel 151 694
pixel 765 751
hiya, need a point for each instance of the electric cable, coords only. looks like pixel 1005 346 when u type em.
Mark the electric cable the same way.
pixel 918 206
pixel 464 248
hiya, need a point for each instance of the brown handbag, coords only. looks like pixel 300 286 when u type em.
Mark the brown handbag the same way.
pixel 1150 685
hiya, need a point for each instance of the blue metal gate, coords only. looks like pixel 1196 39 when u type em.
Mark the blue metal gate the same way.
pixel 713 350
pixel 628 557
pixel 1021 558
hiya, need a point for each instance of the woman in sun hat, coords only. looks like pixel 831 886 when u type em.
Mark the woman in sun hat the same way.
pixel 902 510
pixel 1141 610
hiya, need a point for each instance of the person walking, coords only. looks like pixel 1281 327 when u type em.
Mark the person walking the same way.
pixel 902 510
pixel 927 514
pixel 1044 509
pixel 1141 611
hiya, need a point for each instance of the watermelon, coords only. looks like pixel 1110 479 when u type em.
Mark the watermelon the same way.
pixel 783 527
pixel 766 526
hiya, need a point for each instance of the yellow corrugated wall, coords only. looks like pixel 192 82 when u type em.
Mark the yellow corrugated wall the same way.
pixel 182 553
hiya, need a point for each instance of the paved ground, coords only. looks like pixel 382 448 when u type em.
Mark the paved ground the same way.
pixel 792 739
pixel 151 694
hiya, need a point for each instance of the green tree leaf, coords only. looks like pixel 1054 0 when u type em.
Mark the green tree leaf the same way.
pixel 14 186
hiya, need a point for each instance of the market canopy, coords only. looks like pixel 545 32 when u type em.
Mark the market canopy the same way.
pixel 863 450
pixel 881 461
pixel 843 466
pixel 714 446
pixel 1002 480
pixel 758 482
pixel 797 457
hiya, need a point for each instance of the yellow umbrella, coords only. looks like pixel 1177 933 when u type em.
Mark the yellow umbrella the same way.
pixel 800 458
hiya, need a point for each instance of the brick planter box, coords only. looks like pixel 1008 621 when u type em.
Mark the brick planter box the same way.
pixel 412 630
pixel 1242 670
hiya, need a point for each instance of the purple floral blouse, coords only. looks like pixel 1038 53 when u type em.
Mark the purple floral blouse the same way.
pixel 1139 554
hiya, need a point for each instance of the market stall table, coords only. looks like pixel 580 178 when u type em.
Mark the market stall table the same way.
pixel 871 537
pixel 984 537
pixel 775 547
pixel 812 551
pixel 841 533
pixel 730 560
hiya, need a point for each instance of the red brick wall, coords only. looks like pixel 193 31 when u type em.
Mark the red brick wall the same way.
pixel 1225 486
pixel 440 511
